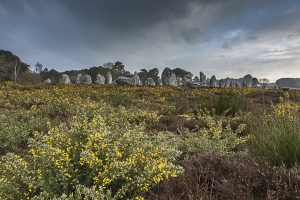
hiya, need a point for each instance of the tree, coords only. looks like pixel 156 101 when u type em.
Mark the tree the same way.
pixel 16 70
pixel 108 65
pixel 38 69
pixel 264 80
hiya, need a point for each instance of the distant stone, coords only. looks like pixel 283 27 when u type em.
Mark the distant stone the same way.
pixel 79 79
pixel 247 81
pixel 222 83
pixel 47 81
pixel 135 79
pixel 168 77
pixel 232 84
pixel 255 82
pixel 196 84
pixel 237 84
pixel 150 82
pixel 100 79
pixel 202 77
pixel 160 82
pixel 213 82
pixel 188 78
pixel 65 79
pixel 227 82
pixel 121 80
pixel 108 79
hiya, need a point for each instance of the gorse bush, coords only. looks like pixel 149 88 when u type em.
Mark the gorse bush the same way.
pixel 275 137
pixel 100 153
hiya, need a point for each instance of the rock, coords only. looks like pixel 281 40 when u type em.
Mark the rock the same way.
pixel 150 82
pixel 100 79
pixel 227 82
pixel 79 79
pixel 121 80
pixel 237 84
pixel 86 79
pixel 255 82
pixel 196 84
pixel 135 79
pixel 47 81
pixel 65 79
pixel 160 82
pixel 108 79
pixel 188 78
pixel 222 83
pixel 168 77
pixel 232 84
pixel 213 82
pixel 247 81
pixel 202 77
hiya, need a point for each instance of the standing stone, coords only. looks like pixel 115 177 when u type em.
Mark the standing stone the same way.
pixel 150 82
pixel 187 78
pixel 79 79
pixel 160 82
pixel 168 77
pixel 222 83
pixel 255 82
pixel 232 84
pixel 237 84
pixel 100 79
pixel 65 79
pixel 47 81
pixel 227 82
pixel 247 81
pixel 135 79
pixel 108 79
pixel 213 82
pixel 202 77
pixel 87 79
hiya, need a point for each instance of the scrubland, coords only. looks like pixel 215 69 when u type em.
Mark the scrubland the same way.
pixel 128 142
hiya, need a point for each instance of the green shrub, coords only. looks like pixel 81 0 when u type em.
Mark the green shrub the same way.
pixel 100 153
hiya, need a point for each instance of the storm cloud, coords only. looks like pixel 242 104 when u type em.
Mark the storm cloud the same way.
pixel 219 37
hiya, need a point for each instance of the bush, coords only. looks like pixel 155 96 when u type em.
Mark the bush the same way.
pixel 100 153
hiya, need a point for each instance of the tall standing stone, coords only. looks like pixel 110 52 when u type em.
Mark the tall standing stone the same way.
pixel 108 79
pixel 227 82
pixel 222 83
pixel 247 81
pixel 232 84
pixel 135 79
pixel 202 77
pixel 87 79
pixel 188 78
pixel 213 82
pixel 100 79
pixel 255 82
pixel 160 82
pixel 168 77
pixel 65 79
pixel 79 79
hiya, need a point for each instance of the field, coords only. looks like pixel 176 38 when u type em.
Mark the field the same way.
pixel 128 142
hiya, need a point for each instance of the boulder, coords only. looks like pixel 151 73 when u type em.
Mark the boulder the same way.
pixel 202 77
pixel 227 82
pixel 213 82
pixel 65 79
pixel 100 79
pixel 79 79
pixel 108 79
pixel 196 84
pixel 222 83
pixel 247 81
pixel 237 84
pixel 150 82
pixel 135 79
pixel 47 81
pixel 121 80
pixel 160 82
pixel 168 77
pixel 188 78
pixel 255 82
pixel 232 83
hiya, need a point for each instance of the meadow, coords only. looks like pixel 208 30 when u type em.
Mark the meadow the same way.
pixel 131 142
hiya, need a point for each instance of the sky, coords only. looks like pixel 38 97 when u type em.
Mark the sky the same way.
pixel 225 38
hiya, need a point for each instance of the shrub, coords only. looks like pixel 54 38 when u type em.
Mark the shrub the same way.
pixel 100 153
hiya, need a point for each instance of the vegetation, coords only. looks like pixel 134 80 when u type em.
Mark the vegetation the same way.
pixel 129 142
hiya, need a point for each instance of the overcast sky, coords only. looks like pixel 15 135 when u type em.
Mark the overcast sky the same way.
pixel 225 38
